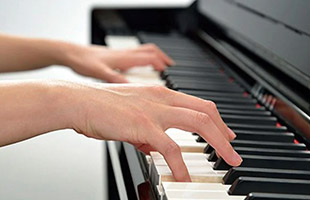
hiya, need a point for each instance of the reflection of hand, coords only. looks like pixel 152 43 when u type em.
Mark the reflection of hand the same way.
pixel 101 62
pixel 140 114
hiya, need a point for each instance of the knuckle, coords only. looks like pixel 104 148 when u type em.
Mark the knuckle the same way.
pixel 211 105
pixel 172 148
pixel 159 90
pixel 202 118
pixel 151 46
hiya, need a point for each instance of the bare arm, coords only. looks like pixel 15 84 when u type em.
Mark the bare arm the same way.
pixel 19 53
pixel 131 113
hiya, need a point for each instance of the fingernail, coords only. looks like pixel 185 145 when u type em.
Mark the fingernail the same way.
pixel 232 134
pixel 237 158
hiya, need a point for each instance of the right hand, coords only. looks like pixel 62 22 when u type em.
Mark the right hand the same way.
pixel 140 115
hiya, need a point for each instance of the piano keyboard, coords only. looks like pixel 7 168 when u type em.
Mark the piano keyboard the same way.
pixel 275 166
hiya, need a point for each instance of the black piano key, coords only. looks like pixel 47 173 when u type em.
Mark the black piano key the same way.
pixel 189 55
pixel 276 196
pixel 236 172
pixel 265 152
pixel 193 74
pixel 244 112
pixel 261 128
pixel 260 144
pixel 200 82
pixel 208 87
pixel 212 93
pixel 264 120
pixel 193 84
pixel 246 185
pixel 185 62
pixel 275 137
pixel 273 152
pixel 265 144
pixel 212 157
pixel 267 162
pixel 184 51
pixel 208 69
pixel 232 101
pixel 268 137
pixel 240 107
pixel 208 149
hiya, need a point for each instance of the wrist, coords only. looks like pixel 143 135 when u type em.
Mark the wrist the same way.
pixel 64 103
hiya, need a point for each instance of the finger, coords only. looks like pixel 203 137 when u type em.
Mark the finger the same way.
pixel 143 59
pixel 203 124
pixel 154 48
pixel 111 76
pixel 172 154
pixel 208 107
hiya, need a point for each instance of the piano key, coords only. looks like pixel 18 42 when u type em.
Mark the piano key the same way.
pixel 264 120
pixel 273 162
pixel 188 55
pixel 200 195
pixel 244 112
pixel 260 144
pixel 232 101
pixel 199 173
pixel 191 51
pixel 174 190
pixel 207 69
pixel 256 128
pixel 194 190
pixel 245 185
pixel 263 152
pixel 276 137
pixel 276 196
pixel 208 87
pixel 240 107
pixel 266 144
pixel 272 152
pixel 270 137
pixel 174 82
pixel 236 172
pixel 185 62
pixel 193 74
pixel 213 93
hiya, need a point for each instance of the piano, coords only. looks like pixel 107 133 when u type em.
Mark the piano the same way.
pixel 252 58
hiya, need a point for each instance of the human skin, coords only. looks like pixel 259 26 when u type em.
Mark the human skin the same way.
pixel 137 114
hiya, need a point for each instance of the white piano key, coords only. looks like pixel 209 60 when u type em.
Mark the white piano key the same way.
pixel 194 186
pixel 177 131
pixel 185 155
pixel 201 195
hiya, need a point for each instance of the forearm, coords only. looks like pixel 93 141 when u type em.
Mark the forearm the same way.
pixel 18 53
pixel 30 108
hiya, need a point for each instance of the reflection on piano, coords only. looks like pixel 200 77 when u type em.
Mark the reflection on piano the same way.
pixel 228 52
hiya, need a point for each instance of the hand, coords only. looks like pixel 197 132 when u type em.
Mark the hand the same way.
pixel 104 63
pixel 140 114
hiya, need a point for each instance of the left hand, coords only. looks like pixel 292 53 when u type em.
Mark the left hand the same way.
pixel 104 63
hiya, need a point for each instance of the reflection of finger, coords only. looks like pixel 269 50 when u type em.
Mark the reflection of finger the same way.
pixel 172 154
pixel 208 107
pixel 202 124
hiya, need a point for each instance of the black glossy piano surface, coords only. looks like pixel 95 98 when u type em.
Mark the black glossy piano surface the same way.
pixel 272 135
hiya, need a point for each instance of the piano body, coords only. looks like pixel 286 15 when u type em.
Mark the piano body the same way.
pixel 252 58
